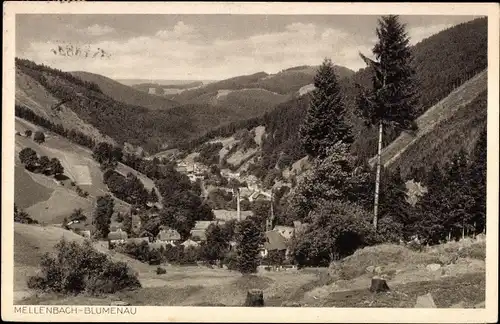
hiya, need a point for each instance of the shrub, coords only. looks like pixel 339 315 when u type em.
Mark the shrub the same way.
pixel 75 268
pixel 39 137
pixel 160 271
pixel 28 133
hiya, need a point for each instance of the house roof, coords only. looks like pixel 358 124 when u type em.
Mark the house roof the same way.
pixel 203 225
pixel 189 242
pixel 227 215
pixel 117 235
pixel 80 226
pixel 274 241
pixel 201 234
pixel 168 235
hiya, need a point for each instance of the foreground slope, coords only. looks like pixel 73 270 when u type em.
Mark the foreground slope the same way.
pixel 126 94
pixel 454 121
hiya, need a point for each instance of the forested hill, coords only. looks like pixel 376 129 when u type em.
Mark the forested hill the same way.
pixel 285 83
pixel 126 94
pixel 442 62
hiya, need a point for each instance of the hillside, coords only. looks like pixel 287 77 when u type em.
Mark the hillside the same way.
pixel 451 124
pixel 458 53
pixel 30 93
pixel 126 94
pixel 137 125
pixel 285 82
pixel 50 201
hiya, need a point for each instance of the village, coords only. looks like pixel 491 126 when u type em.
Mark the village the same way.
pixel 276 237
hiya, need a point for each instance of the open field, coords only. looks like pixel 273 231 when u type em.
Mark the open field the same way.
pixel 343 285
pixel 28 192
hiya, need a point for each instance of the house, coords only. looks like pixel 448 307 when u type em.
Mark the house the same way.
pixel 227 215
pixel 189 243
pixel 138 240
pixel 158 245
pixel 274 241
pixel 80 228
pixel 300 227
pixel 285 231
pixel 117 237
pixel 198 232
pixel 168 235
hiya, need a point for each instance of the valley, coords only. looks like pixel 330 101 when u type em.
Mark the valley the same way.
pixel 194 193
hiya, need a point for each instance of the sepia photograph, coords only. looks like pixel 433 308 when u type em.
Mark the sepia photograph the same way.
pixel 228 159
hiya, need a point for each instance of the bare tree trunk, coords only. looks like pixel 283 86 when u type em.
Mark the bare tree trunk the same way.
pixel 377 181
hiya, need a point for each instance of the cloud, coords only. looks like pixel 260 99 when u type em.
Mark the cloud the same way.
pixel 182 53
pixel 97 30
pixel 180 31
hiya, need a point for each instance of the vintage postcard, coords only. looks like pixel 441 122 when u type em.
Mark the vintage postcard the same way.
pixel 250 162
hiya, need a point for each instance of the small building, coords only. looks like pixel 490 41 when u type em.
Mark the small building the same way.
pixel 198 233
pixel 117 237
pixel 80 228
pixel 274 241
pixel 168 235
pixel 227 215
pixel 138 240
pixel 189 242
pixel 285 231
pixel 300 227
pixel 159 245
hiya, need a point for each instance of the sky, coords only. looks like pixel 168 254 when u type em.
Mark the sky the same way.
pixel 206 47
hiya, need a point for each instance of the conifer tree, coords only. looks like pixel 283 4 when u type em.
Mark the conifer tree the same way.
pixel 324 124
pixel 477 175
pixel 393 98
pixel 249 239
pixel 102 215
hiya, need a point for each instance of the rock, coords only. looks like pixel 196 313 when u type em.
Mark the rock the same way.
pixel 255 298
pixel 425 301
pixel 480 305
pixel 460 304
pixel 378 270
pixel 433 267
pixel 370 269
pixel 119 303
pixel 378 285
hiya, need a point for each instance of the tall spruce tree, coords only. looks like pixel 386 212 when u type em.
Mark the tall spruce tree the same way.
pixel 249 239
pixel 324 124
pixel 392 100
pixel 102 215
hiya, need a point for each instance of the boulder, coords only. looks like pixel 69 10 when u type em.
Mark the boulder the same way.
pixel 378 285
pixel 370 269
pixel 378 270
pixel 255 298
pixel 433 267
pixel 425 301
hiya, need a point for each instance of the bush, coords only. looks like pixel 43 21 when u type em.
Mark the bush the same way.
pixel 160 271
pixel 75 268
pixel 39 137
